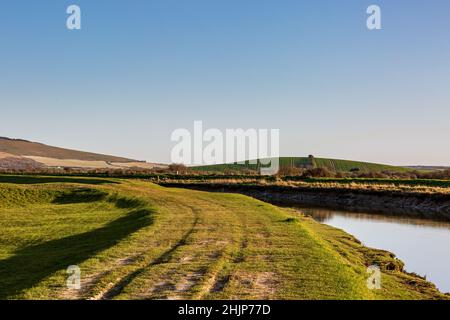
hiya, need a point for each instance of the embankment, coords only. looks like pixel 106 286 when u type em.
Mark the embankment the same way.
pixel 414 204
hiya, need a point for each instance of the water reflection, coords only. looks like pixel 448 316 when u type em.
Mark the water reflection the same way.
pixel 423 245
pixel 323 215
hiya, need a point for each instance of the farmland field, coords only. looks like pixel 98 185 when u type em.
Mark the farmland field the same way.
pixel 98 164
pixel 303 162
pixel 135 240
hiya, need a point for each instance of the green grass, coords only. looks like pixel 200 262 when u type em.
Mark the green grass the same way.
pixel 347 165
pixel 136 240
pixel 301 162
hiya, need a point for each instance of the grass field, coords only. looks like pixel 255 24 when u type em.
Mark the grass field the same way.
pixel 302 162
pixel 70 163
pixel 136 240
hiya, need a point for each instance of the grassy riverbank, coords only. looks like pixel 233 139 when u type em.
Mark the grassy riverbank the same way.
pixel 136 240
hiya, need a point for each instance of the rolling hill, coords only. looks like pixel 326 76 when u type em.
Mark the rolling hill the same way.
pixel 19 147
pixel 306 162
pixel 22 154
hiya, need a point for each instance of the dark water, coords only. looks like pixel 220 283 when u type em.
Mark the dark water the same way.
pixel 423 245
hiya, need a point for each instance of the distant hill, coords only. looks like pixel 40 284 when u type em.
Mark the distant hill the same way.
pixel 306 162
pixel 21 154
pixel 20 147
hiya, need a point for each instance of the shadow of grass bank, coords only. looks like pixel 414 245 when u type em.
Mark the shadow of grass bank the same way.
pixel 81 195
pixel 32 264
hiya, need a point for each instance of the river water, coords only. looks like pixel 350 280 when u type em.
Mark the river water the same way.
pixel 423 245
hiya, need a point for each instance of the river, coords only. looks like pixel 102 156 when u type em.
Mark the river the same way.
pixel 423 245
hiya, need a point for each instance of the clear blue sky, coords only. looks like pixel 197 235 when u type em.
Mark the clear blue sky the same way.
pixel 140 69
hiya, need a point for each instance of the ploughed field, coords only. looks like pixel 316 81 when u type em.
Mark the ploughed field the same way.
pixel 135 240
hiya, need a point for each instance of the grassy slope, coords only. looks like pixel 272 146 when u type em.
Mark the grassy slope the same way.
pixel 332 164
pixel 28 148
pixel 135 240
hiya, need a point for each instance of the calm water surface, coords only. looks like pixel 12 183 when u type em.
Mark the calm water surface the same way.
pixel 424 246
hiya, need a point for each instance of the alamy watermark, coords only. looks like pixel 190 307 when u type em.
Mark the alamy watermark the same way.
pixel 374 19
pixel 213 146
pixel 74 279
pixel 73 22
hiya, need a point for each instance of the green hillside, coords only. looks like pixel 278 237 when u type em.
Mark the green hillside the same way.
pixel 306 162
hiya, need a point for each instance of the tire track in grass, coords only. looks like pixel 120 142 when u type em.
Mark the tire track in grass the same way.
pixel 164 258
pixel 222 275
pixel 116 288
pixel 208 264
pixel 240 274
pixel 214 247
pixel 188 281
pixel 218 273
pixel 89 281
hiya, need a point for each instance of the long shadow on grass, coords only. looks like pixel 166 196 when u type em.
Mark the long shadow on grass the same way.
pixel 88 195
pixel 54 179
pixel 83 195
pixel 32 264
